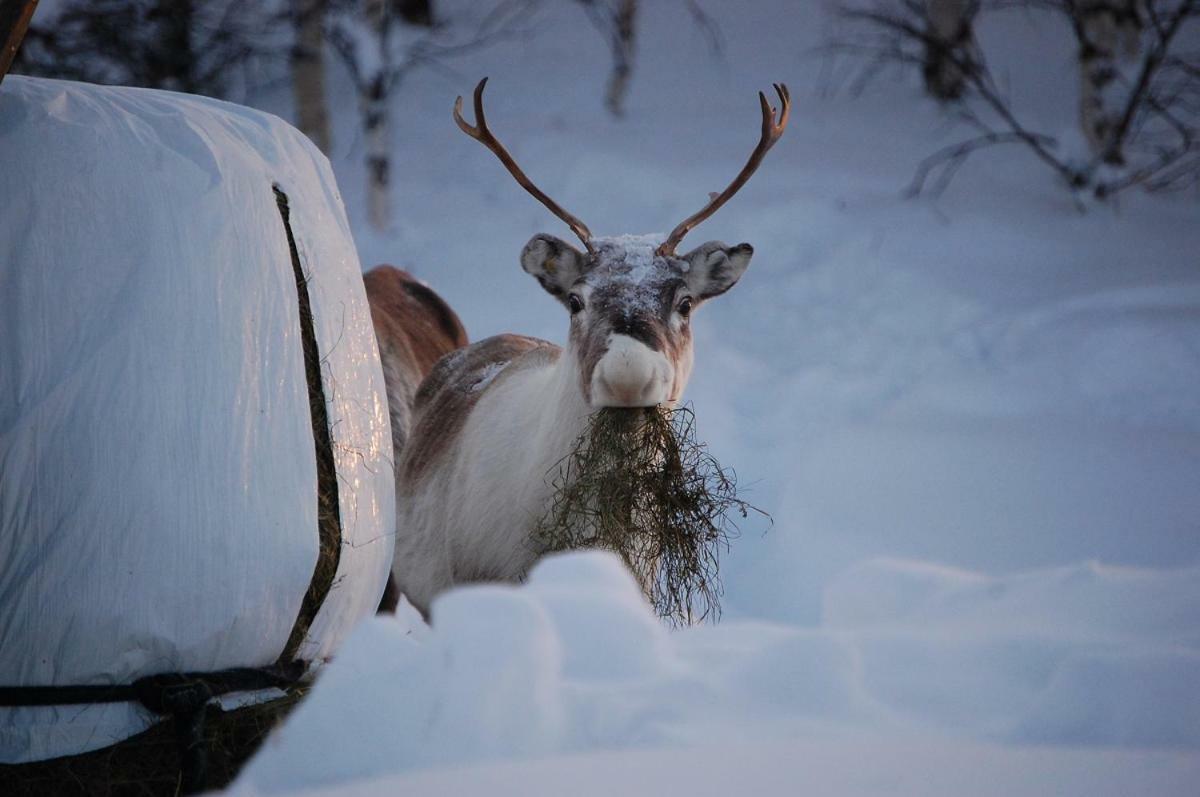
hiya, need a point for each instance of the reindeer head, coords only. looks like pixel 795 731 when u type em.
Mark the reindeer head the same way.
pixel 631 297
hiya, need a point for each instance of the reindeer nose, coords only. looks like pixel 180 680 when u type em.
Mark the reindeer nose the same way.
pixel 625 392
pixel 630 374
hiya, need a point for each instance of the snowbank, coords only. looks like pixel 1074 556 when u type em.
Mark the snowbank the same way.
pixel 574 662
pixel 832 765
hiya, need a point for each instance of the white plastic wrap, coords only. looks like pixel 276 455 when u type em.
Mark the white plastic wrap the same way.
pixel 157 469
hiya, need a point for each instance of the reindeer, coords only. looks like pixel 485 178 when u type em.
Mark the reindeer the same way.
pixel 493 420
pixel 414 327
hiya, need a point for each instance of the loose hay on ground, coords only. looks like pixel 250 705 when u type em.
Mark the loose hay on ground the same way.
pixel 639 483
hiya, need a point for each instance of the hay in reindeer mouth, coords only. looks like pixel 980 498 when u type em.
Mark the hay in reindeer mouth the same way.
pixel 639 483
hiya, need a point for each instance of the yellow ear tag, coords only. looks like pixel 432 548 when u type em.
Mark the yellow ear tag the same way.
pixel 551 266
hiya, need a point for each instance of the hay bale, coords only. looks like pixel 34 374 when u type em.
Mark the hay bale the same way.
pixel 640 484
pixel 203 289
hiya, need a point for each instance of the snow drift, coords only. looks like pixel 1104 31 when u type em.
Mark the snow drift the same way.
pixel 574 661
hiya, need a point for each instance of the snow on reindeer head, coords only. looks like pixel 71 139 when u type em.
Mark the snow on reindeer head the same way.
pixel 631 297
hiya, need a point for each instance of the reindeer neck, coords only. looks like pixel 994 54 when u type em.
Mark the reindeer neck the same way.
pixel 562 414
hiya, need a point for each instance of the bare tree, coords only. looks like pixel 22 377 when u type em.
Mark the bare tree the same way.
pixel 1141 117
pixel 308 71
pixel 380 49
pixel 616 20
pixel 195 46
pixel 1109 37
pixel 1153 130
pixel 948 25
pixel 362 36
pixel 416 12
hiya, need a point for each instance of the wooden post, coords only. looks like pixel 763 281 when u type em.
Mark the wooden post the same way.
pixel 14 21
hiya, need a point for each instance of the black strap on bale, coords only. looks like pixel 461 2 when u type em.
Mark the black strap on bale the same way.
pixel 184 697
pixel 148 690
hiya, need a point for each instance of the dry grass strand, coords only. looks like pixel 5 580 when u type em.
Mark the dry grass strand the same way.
pixel 640 484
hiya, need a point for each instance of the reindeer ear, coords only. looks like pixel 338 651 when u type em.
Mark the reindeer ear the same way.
pixel 556 264
pixel 714 268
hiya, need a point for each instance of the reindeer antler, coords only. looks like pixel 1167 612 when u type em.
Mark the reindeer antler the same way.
pixel 771 131
pixel 483 135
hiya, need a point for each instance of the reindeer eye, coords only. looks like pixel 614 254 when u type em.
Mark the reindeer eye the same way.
pixel 574 303
pixel 685 306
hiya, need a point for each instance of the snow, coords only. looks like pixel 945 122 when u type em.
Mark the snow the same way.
pixel 636 250
pixel 946 660
pixel 915 768
pixel 975 420
pixel 629 263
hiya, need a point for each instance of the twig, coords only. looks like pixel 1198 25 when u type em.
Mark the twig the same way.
pixel 951 158
pixel 976 74
pixel 1149 69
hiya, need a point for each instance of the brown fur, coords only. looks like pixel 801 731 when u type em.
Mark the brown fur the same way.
pixel 414 328
pixel 411 318
pixel 452 389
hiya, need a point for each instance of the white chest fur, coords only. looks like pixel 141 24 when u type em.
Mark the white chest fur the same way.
pixel 471 518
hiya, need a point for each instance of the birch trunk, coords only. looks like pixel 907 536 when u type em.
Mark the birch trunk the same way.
pixel 376 128
pixel 622 48
pixel 308 72
pixel 176 68
pixel 379 165
pixel 416 12
pixel 1109 33
pixel 948 26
